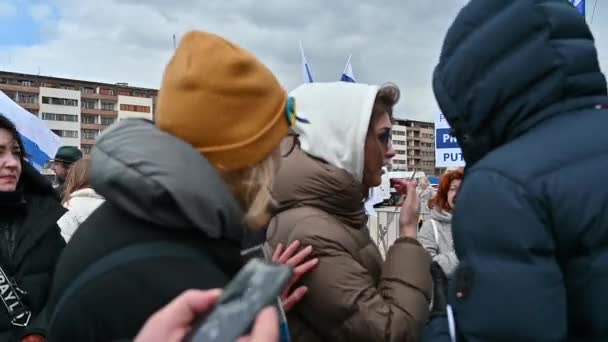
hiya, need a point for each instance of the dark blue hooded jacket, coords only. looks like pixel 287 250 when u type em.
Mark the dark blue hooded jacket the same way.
pixel 519 82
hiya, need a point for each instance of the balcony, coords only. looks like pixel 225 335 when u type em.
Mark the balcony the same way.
pixel 84 141
pixel 33 106
pixel 102 112
pixel 92 126
pixel 96 96
pixel 19 88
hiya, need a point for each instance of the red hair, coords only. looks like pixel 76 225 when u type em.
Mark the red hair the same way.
pixel 440 200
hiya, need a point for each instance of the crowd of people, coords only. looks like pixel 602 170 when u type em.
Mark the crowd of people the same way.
pixel 136 241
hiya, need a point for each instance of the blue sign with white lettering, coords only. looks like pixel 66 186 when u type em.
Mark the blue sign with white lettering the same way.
pixel 444 139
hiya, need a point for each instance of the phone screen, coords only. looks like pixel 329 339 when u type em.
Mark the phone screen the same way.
pixel 255 287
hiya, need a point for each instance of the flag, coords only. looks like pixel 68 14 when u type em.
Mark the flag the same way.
pixel 580 6
pixel 306 74
pixel 347 74
pixel 39 141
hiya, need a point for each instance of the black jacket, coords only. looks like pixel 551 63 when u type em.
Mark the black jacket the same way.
pixel 520 84
pixel 157 188
pixel 30 244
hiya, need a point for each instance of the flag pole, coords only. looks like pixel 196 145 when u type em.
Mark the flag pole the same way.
pixel 348 63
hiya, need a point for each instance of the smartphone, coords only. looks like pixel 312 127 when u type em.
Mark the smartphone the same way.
pixel 255 287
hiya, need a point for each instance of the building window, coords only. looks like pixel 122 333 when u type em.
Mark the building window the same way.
pixel 107 121
pixel 86 149
pixel 65 133
pixel 90 134
pixel 107 106
pixel 26 83
pixel 27 98
pixel 87 90
pixel 11 95
pixel 59 117
pixel 124 92
pixel 106 91
pixel 87 119
pixel 134 108
pixel 59 101
pixel 88 104
pixel 33 111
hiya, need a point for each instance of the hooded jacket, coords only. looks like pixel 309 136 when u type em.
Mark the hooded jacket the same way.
pixel 353 295
pixel 524 101
pixel 81 204
pixel 424 195
pixel 440 246
pixel 30 246
pixel 157 188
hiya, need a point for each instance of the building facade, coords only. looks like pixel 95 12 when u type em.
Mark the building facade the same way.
pixel 399 140
pixel 414 145
pixel 78 111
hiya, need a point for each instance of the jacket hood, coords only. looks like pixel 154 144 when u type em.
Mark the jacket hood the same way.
pixel 337 117
pixel 441 216
pixel 31 181
pixel 159 178
pixel 85 193
pixel 307 181
pixel 496 80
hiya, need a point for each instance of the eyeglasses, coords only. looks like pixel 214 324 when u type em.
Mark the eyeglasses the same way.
pixel 289 144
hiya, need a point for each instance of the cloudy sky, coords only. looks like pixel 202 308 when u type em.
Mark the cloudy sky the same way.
pixel 131 40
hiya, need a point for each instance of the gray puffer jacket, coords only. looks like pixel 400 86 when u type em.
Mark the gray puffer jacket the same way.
pixel 440 246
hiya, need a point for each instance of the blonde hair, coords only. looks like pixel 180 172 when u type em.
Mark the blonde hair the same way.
pixel 77 178
pixel 252 188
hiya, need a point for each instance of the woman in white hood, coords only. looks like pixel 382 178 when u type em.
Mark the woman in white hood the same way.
pixel 79 198
pixel 353 295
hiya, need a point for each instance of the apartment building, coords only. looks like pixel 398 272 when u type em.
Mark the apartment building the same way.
pixel 414 144
pixel 399 162
pixel 78 111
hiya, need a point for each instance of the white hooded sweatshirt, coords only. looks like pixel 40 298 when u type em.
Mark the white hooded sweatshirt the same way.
pixel 81 204
pixel 337 116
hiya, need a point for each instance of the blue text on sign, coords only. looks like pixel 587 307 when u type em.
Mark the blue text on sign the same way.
pixel 452 157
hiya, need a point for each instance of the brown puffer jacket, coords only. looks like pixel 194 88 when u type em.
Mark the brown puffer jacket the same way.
pixel 353 294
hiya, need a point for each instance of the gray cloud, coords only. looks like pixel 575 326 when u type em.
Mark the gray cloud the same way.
pixel 131 40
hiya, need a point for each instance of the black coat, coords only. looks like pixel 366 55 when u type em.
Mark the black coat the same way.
pixel 177 198
pixel 520 84
pixel 30 246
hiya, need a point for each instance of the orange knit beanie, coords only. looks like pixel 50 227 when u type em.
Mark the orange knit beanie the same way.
pixel 223 101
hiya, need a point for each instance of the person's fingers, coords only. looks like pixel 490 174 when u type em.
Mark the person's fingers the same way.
pixel 266 327
pixel 291 249
pixel 305 267
pixel 184 308
pixel 294 297
pixel 277 252
pixel 300 257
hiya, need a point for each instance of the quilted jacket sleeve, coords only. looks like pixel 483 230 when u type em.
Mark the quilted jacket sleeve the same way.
pixel 345 303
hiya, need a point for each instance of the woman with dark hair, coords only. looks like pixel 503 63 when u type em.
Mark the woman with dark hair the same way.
pixel 30 242
pixel 436 232
pixel 353 294
pixel 79 198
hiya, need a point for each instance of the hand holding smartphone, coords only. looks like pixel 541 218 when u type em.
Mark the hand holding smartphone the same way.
pixel 255 287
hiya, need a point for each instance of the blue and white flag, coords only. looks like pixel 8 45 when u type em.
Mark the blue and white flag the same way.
pixel 347 74
pixel 306 74
pixel 580 6
pixel 39 141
